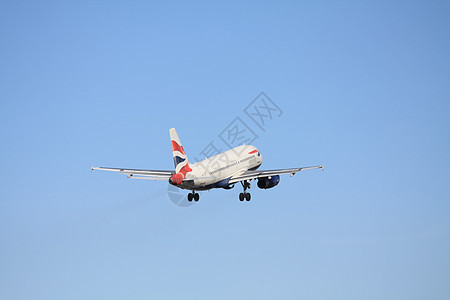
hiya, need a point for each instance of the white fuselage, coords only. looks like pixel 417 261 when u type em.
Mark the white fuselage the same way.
pixel 215 171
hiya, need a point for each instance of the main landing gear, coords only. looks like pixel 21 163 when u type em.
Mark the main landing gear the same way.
pixel 193 196
pixel 245 195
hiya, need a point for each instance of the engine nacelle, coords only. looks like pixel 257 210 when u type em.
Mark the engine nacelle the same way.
pixel 268 182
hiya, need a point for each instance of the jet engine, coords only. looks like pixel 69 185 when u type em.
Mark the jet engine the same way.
pixel 268 182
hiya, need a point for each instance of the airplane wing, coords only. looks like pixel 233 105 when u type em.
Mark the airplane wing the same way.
pixel 249 175
pixel 139 173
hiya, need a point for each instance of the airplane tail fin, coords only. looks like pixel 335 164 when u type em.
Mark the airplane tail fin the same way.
pixel 180 159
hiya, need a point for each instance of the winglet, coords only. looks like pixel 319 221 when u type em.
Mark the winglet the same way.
pixel 322 167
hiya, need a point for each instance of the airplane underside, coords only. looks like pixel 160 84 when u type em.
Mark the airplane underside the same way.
pixel 193 196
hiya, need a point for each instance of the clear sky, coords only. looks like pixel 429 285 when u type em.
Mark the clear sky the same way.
pixel 363 87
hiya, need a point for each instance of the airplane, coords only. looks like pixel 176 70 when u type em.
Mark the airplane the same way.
pixel 223 170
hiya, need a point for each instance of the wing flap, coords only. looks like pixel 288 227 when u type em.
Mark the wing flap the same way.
pixel 142 174
pixel 249 175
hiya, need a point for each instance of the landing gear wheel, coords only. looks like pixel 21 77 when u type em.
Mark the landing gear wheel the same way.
pixel 196 197
pixel 247 196
pixel 189 197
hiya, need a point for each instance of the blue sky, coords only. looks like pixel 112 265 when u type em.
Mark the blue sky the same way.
pixel 363 87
